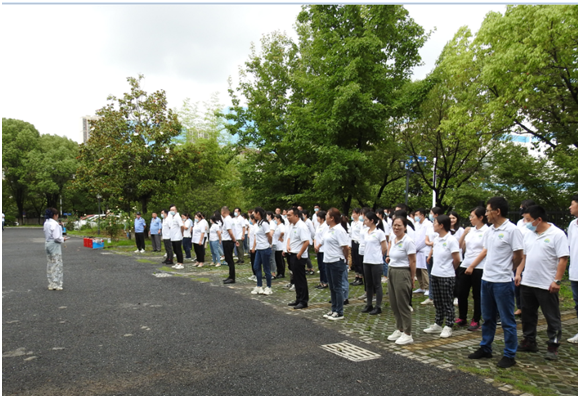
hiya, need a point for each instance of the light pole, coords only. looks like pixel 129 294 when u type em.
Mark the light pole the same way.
pixel 410 164
pixel 99 216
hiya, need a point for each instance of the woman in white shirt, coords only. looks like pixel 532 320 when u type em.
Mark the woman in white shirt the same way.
pixel 215 239
pixel 198 237
pixel 402 267
pixel 319 249
pixel 263 252
pixel 251 241
pixel 355 229
pixel 375 248
pixel 188 224
pixel 278 245
pixel 470 273
pixel 445 261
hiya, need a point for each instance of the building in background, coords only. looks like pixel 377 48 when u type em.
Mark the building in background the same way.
pixel 87 127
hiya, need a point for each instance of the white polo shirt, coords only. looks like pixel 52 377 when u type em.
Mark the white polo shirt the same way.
pixel 227 223
pixel 238 227
pixel 311 228
pixel 387 226
pixel 543 252
pixel 373 253
pixel 573 243
pixel 213 235
pixel 501 243
pixel 252 235
pixel 473 246
pixel 175 228
pixel 276 244
pixel 334 239
pixel 261 231
pixel 363 232
pixel 166 228
pixel 187 231
pixel 443 247
pixel 297 235
pixel 199 228
pixel 355 228
pixel 400 251
pixel 318 236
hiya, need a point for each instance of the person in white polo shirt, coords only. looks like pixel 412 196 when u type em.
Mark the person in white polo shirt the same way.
pixel 503 247
pixel 573 270
pixel 229 242
pixel 297 241
pixel 545 259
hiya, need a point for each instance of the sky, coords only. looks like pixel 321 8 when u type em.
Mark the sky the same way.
pixel 61 62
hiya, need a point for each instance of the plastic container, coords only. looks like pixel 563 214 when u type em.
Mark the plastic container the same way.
pixel 98 244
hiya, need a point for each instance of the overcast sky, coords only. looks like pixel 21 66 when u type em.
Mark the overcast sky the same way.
pixel 62 61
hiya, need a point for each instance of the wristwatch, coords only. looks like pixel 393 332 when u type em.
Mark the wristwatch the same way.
pixel 557 282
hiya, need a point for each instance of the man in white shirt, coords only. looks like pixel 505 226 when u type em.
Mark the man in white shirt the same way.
pixel 521 224
pixel 239 232
pixel 545 259
pixel 228 242
pixel 297 243
pixel 573 270
pixel 503 247
pixel 53 241
pixel 315 217
pixel 176 232
pixel 423 225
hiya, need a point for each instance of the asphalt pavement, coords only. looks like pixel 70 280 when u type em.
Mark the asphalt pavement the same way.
pixel 117 329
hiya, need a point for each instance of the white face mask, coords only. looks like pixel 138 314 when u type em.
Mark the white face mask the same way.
pixel 236 214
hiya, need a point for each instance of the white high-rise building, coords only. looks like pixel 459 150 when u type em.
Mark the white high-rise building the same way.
pixel 87 127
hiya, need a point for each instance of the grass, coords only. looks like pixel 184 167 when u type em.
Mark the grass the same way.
pixel 514 377
pixel 145 261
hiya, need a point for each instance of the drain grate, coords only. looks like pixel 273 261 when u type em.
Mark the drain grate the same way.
pixel 350 351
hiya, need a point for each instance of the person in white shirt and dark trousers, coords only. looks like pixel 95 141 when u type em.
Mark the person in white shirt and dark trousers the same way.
pixel 297 249
pixel 573 270
pixel 53 241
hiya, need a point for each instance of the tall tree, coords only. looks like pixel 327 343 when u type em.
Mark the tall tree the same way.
pixel 129 156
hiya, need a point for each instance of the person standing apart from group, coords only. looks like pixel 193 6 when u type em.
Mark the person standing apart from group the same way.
pixel 140 233
pixel 229 242
pixel 198 237
pixel 53 241
pixel 155 232
pixel 503 246
pixel 545 259
pixel 176 233
pixel 573 270
pixel 297 249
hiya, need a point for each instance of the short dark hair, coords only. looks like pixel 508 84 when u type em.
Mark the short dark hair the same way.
pixel 437 210
pixel 526 203
pixel 356 210
pixel 444 221
pixel 321 214
pixel 536 212
pixel 575 198
pixel 422 211
pixel 499 202
pixel 296 212
pixel 403 206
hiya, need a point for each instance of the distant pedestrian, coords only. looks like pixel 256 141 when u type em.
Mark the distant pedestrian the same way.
pixel 140 233
pixel 215 241
pixel 53 240
pixel 155 232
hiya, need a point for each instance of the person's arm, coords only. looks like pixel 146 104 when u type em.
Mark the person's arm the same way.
pixel 345 250
pixel 269 236
pixel 384 247
pixel 518 277
pixel 304 247
pixel 517 258
pixel 475 263
pixel 562 263
pixel 456 259
pixel 462 238
pixel 413 266
pixel 219 234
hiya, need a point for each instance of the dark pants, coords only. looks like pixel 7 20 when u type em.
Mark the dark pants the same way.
pixel 322 268
pixel 373 274
pixel 168 249
pixel 187 247
pixel 280 267
pixel 335 272
pixel 465 283
pixel 518 294
pixel 176 245
pixel 199 252
pixel 229 257
pixel 252 259
pixel 532 298
pixel 140 240
pixel 156 242
pixel 298 268
pixel 357 260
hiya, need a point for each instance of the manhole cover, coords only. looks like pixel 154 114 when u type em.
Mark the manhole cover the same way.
pixel 162 275
pixel 350 351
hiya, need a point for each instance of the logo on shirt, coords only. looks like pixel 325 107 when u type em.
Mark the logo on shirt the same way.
pixel 400 245
pixel 480 236
pixel 444 244
pixel 501 236
pixel 546 240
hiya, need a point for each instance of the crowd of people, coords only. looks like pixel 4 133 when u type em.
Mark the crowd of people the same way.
pixel 499 263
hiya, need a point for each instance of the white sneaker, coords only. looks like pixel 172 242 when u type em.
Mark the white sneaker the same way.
pixel 426 293
pixel 164 254
pixel 447 332
pixel 136 251
pixel 258 290
pixel 335 317
pixel 253 278
pixel 218 265
pixel 178 266
pixel 142 250
pixel 267 291
pixel 411 309
pixel 419 291
pixel 292 288
pixel 384 279
pixel 327 314
pixel 433 329
pixel 404 339
pixel 395 336
pixel 363 297
pixel 573 340
pixel 428 301
pixel 456 301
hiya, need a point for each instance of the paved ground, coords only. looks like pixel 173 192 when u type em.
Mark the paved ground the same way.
pixel 126 326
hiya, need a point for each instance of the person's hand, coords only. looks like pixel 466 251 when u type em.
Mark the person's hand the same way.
pixel 466 230
pixel 237 244
pixel 518 279
pixel 469 270
pixel 554 288
pixel 428 258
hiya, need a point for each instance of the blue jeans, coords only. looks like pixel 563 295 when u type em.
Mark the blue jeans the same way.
pixel 263 260
pixel 385 267
pixel 322 268
pixel 574 286
pixel 335 274
pixel 498 297
pixel 345 285
pixel 187 247
pixel 215 251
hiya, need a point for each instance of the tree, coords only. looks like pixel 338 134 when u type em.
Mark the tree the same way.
pixel 18 139
pixel 130 154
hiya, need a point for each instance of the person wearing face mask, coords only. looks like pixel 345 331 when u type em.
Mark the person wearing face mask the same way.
pixel 521 224
pixel 199 236
pixel 423 225
pixel 315 221
pixel 545 259
pixel 188 225
pixel 176 233
pixel 166 236
pixel 357 264
pixel 239 230
pixel 375 249
pixel 215 237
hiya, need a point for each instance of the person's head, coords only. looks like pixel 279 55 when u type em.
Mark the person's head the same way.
pixel 477 216
pixel 402 206
pixel 534 217
pixel 185 216
pixel 277 211
pixel 245 216
pixel 355 214
pixel 138 214
pixel 305 214
pixel 252 218
pixel 371 218
pixel 164 213
pixel 199 216
pixel 496 209
pixel 299 208
pixel 321 215
pixel 316 208
pixel 250 212
pixel 154 215
pixel 442 224
pixel 173 210
pixel 51 212
pixel 259 214
pixel 333 217
pixel 525 203
pixel 213 219
pixel 278 218
pixel 380 212
pixel 399 225
pixel 237 212
pixel 454 217
pixel 285 212
pixel 225 211
pixel 434 212
pixel 420 215
pixel 574 206
pixel 293 215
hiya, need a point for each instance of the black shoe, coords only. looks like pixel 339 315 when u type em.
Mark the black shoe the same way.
pixel 293 304
pixel 552 353
pixel 353 283
pixel 279 276
pixel 368 308
pixel 376 311
pixel 299 306
pixel 480 353
pixel 506 362
pixel 329 301
pixel 346 302
pixel 528 346
pixel 229 281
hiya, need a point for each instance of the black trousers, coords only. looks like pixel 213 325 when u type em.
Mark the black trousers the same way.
pixel 298 268
pixel 199 252
pixel 464 284
pixel 229 257
pixel 280 267
pixel 532 298
pixel 168 249
pixel 140 240
pixel 357 260
pixel 252 259
pixel 176 245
